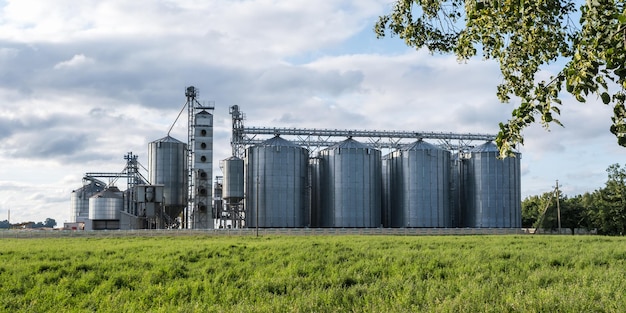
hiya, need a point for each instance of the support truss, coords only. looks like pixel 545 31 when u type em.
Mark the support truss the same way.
pixel 317 139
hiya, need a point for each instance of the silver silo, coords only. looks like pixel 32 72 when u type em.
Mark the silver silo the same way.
pixel 232 186
pixel 419 177
pixel 79 199
pixel 350 185
pixel 106 205
pixel 492 188
pixel 456 189
pixel 386 192
pixel 167 165
pixel 276 184
pixel 315 196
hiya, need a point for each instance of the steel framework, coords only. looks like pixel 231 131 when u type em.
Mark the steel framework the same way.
pixel 316 139
pixel 133 178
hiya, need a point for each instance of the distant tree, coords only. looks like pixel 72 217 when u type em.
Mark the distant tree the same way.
pixel 525 37
pixel 537 211
pixel 50 223
pixel 588 201
pixel 573 213
pixel 610 210
pixel 532 207
pixel 541 212
pixel 5 224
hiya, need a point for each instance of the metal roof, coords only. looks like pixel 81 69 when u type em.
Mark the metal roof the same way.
pixel 168 139
pixel 204 112
pixel 349 144
pixel 419 145
pixel 110 192
pixel 488 146
pixel 276 141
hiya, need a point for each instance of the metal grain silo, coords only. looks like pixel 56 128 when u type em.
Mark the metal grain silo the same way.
pixel 232 184
pixel 79 199
pixel 315 196
pixel 386 191
pixel 167 166
pixel 106 205
pixel 456 189
pixel 350 185
pixel 276 184
pixel 419 175
pixel 492 188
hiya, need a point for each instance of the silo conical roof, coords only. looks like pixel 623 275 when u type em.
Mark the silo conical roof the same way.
pixel 168 139
pixel 349 144
pixel 277 141
pixel 419 145
pixel 488 146
pixel 109 192
pixel 232 158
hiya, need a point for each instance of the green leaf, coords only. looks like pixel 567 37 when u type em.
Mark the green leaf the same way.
pixel 606 98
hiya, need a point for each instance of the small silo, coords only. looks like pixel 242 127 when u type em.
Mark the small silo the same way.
pixel 350 185
pixel 167 166
pixel 232 186
pixel 492 189
pixel 105 208
pixel 276 184
pixel 79 199
pixel 419 186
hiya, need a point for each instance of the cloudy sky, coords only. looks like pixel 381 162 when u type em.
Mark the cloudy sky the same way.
pixel 84 82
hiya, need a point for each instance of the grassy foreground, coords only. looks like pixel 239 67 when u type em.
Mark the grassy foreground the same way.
pixel 314 274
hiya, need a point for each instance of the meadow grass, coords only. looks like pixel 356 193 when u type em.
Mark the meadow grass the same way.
pixel 314 274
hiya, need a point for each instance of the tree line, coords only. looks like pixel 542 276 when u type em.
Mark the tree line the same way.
pixel 603 210
pixel 48 223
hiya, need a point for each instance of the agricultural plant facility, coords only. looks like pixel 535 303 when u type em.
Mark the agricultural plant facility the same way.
pixel 305 178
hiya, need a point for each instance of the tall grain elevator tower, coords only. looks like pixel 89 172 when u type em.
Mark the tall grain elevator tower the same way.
pixel 200 158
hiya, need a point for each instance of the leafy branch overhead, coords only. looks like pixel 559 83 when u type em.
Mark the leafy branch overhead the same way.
pixel 524 36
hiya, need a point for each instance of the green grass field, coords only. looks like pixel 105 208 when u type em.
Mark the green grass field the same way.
pixel 314 274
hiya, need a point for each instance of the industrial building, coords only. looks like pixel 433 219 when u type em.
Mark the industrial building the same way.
pixel 306 178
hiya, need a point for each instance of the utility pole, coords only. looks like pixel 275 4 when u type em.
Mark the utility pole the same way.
pixel 257 206
pixel 558 207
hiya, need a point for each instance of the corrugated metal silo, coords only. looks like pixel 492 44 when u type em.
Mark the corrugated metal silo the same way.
pixel 350 185
pixel 456 190
pixel 79 199
pixel 315 196
pixel 232 186
pixel 106 205
pixel 276 184
pixel 492 189
pixel 386 192
pixel 167 166
pixel 420 186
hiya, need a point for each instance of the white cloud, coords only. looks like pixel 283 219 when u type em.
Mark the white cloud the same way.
pixel 84 82
pixel 77 60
